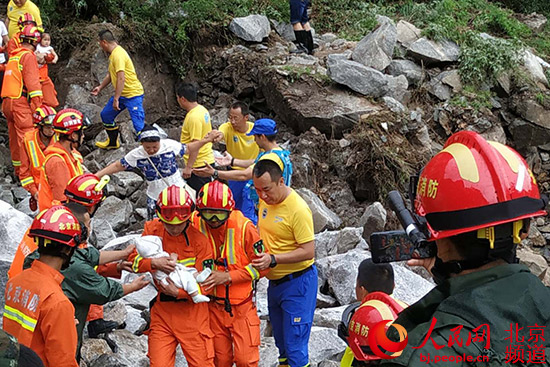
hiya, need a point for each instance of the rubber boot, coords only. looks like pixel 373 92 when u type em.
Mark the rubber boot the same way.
pixel 300 42
pixel 101 326
pixel 112 139
pixel 309 42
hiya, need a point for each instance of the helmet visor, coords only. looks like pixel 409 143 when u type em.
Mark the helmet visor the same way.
pixel 48 120
pixel 215 215
pixel 174 215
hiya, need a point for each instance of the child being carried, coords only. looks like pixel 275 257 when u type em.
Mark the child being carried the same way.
pixel 186 278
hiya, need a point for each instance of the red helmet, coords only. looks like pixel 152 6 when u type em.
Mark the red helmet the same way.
pixel 43 115
pixel 86 189
pixel 379 307
pixel 215 195
pixel 174 205
pixel 57 224
pixel 26 19
pixel 68 121
pixel 472 184
pixel 31 34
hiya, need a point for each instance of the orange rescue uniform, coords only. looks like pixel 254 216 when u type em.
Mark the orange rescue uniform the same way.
pixel 32 158
pixel 40 316
pixel 26 246
pixel 237 337
pixel 14 43
pixel 48 88
pixel 58 169
pixel 178 320
pixel 21 83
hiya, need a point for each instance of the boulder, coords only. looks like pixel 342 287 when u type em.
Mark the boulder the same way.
pixel 432 52
pixel 323 217
pixel 324 343
pixel 13 225
pixel 409 286
pixel 4 267
pixel 261 296
pixel 376 49
pixel 111 360
pixel 373 219
pixel 534 21
pixel 92 349
pixel 117 212
pixel 397 88
pixel 77 95
pixel 536 263
pixel 442 91
pixel 134 321
pixel 131 348
pixel 120 243
pixel 141 298
pixel 526 134
pixel 360 78
pixel 115 311
pixel 328 317
pixel 284 30
pixel 324 300
pixel 269 353
pixel 252 28
pixel 102 232
pixel 530 110
pixel 337 242
pixel 126 183
pixel 535 237
pixel 407 33
pixel 534 68
pixel 394 105
pixel 409 69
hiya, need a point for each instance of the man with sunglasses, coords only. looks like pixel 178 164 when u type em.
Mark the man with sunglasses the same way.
pixel 32 151
pixel 175 318
pixel 236 242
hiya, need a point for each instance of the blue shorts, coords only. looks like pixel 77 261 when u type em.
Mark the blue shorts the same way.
pixel 243 202
pixel 298 11
pixel 291 307
pixel 135 109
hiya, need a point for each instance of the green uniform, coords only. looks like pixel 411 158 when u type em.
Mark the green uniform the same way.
pixel 500 296
pixel 83 285
pixel 9 350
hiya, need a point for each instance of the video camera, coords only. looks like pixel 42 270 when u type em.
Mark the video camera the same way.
pixel 412 243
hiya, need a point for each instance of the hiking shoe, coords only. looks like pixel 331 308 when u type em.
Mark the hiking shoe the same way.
pixel 101 326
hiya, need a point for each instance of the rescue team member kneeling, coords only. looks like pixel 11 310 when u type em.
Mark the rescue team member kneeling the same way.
pixel 235 242
pixel 37 312
pixel 175 319
pixel 286 225
pixel 477 197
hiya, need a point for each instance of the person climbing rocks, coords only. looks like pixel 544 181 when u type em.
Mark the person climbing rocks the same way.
pixel 236 242
pixel 128 91
pixel 21 91
pixel 32 151
pixel 299 19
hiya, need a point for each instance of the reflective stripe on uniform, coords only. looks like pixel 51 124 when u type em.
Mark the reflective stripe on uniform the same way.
pixel 33 154
pixel 16 163
pixel 231 246
pixel 35 93
pixel 135 265
pixel 190 261
pixel 27 181
pixel 25 321
pixel 252 271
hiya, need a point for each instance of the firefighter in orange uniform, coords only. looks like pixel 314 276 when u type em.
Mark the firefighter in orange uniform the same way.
pixel 235 242
pixel 37 312
pixel 21 84
pixel 175 318
pixel 14 42
pixel 62 161
pixel 32 151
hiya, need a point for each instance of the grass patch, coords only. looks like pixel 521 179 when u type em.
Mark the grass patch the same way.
pixel 470 97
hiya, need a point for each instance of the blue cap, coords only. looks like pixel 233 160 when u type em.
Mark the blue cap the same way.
pixel 263 127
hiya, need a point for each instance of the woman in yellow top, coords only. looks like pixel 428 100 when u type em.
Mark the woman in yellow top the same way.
pixel 17 8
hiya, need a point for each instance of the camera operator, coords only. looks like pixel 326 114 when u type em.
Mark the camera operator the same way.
pixel 477 197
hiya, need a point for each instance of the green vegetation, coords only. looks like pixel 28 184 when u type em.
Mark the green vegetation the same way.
pixel 470 97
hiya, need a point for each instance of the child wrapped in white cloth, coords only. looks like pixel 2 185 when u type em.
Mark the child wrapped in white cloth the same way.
pixel 186 278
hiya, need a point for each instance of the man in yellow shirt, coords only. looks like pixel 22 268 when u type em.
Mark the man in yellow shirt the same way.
pixel 128 91
pixel 16 8
pixel 240 146
pixel 195 127
pixel 286 226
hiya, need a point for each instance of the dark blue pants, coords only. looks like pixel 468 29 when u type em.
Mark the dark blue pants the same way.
pixel 291 307
pixel 135 109
pixel 298 11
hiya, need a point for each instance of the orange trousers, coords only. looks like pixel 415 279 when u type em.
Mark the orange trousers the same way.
pixel 183 323
pixel 19 115
pixel 49 92
pixel 237 338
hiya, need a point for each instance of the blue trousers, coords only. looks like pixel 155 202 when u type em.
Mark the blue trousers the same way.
pixel 291 307
pixel 243 202
pixel 135 109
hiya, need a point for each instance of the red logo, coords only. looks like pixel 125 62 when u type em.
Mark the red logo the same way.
pixel 377 338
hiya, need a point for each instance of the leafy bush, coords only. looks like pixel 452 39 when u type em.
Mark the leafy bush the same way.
pixel 529 6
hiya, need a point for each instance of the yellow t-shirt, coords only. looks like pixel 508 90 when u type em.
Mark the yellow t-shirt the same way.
pixel 239 145
pixel 195 126
pixel 14 13
pixel 283 227
pixel 120 61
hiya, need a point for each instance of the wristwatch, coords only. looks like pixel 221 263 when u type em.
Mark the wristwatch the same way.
pixel 273 261
pixel 215 175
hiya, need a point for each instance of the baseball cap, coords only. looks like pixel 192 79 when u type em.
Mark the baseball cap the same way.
pixel 263 127
pixel 274 158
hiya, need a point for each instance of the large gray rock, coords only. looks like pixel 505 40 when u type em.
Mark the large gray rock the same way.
pixel 115 311
pixel 4 267
pixel 92 349
pixel 431 52
pixel 530 110
pixel 376 49
pixel 407 33
pixel 397 88
pixel 252 28
pixel 373 219
pixel 131 348
pixel 134 320
pixel 526 134
pixel 534 68
pixel 409 69
pixel 284 30
pixel 409 286
pixel 394 105
pixel 269 353
pixel 13 225
pixel 102 232
pixel 126 183
pixel 534 21
pixel 329 243
pixel 117 212
pixel 360 78
pixel 111 360
pixel 328 317
pixel 536 263
pixel 323 217
pixel 324 343
pixel 141 298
